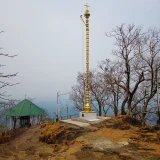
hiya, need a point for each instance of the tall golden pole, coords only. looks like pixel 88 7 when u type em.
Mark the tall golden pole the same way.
pixel 87 107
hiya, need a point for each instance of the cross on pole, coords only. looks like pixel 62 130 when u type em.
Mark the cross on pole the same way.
pixel 86 6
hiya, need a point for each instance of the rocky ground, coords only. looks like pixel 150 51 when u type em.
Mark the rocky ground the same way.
pixel 111 140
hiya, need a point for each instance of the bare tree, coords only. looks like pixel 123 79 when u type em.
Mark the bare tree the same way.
pixel 110 72
pixel 77 94
pixel 138 57
pixel 3 76
pixel 127 38
pixel 4 81
pixel 131 79
pixel 6 106
pixel 151 59
pixel 98 92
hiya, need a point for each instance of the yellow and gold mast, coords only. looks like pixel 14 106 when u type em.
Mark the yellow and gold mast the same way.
pixel 87 107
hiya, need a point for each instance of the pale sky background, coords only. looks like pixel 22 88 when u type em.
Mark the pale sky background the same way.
pixel 48 37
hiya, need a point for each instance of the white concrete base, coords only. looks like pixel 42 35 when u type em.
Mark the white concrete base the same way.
pixel 77 123
pixel 89 116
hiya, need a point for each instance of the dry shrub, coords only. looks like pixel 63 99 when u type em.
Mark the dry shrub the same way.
pixel 122 122
pixel 4 139
pixel 43 125
pixel 146 134
pixel 149 134
pixel 57 134
pixel 130 120
pixel 158 137
pixel 145 138
pixel 49 132
pixel 125 122
pixel 119 123
pixel 149 129
pixel 49 128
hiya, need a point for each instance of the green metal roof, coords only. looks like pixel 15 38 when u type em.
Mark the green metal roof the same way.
pixel 24 108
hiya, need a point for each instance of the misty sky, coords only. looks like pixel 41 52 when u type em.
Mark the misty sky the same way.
pixel 48 37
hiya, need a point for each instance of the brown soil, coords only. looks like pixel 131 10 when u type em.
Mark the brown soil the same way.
pixel 96 142
pixel 26 146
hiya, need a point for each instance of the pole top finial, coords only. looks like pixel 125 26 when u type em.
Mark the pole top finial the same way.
pixel 86 5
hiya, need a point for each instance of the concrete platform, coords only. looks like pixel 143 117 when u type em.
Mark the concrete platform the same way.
pixel 100 119
pixel 84 123
pixel 77 123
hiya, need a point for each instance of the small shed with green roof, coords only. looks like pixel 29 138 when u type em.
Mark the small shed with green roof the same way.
pixel 27 113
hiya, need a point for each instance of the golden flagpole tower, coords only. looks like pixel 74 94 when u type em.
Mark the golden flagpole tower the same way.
pixel 87 107
pixel 87 113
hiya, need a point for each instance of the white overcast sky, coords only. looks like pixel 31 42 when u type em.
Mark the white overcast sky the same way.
pixel 48 37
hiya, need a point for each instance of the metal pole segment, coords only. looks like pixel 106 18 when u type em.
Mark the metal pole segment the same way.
pixel 87 107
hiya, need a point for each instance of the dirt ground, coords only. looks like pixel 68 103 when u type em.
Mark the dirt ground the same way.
pixel 25 146
pixel 94 143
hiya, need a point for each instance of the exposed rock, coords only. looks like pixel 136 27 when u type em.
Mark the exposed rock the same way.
pixel 104 144
pixel 44 154
pixel 123 143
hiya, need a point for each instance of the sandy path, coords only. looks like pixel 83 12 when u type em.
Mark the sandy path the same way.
pixel 26 147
